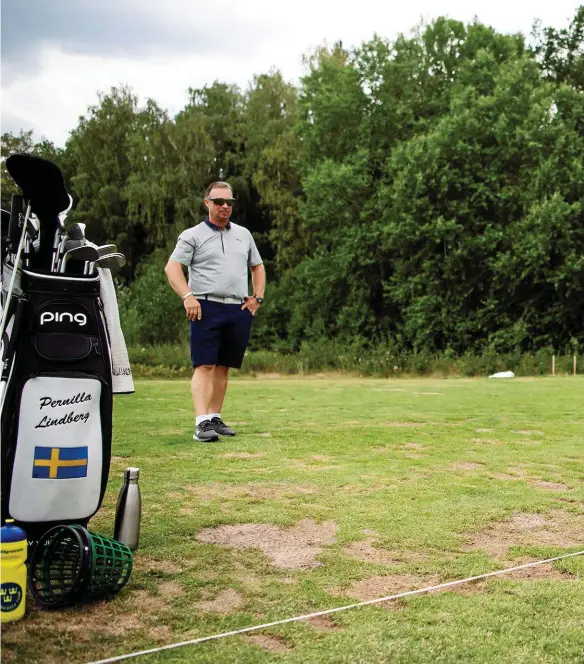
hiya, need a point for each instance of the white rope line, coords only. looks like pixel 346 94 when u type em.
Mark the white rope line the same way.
pixel 307 616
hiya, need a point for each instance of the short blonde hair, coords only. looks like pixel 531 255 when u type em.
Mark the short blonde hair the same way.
pixel 217 184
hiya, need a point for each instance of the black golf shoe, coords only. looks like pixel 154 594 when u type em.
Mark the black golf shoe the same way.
pixel 221 428
pixel 205 432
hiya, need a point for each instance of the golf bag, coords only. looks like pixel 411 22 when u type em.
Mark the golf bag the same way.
pixel 59 373
pixel 57 411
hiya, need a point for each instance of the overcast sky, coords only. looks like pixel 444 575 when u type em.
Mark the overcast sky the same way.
pixel 58 54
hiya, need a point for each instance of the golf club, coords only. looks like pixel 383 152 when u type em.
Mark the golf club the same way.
pixel 76 232
pixel 81 253
pixel 66 245
pixel 102 251
pixel 16 199
pixel 31 242
pixel 59 234
pixel 9 352
pixel 112 262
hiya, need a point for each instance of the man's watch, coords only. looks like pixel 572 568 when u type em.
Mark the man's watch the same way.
pixel 259 299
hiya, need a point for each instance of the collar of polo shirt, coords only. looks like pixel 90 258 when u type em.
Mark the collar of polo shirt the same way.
pixel 214 226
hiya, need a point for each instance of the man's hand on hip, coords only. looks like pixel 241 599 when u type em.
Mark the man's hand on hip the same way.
pixel 193 308
pixel 252 304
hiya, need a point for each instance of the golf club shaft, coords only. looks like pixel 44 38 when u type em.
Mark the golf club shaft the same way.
pixel 14 271
pixel 9 351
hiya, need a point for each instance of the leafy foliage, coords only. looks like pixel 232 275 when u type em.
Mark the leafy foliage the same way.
pixel 425 194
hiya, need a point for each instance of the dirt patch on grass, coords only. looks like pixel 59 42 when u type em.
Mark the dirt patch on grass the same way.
pixel 554 486
pixel 374 587
pixel 467 465
pixel 322 622
pixel 174 495
pixel 535 573
pixel 170 589
pixel 368 553
pixel 528 432
pixel 483 430
pixel 161 634
pixel 271 643
pixel 243 455
pixel 491 442
pixel 519 472
pixel 226 601
pixel 149 564
pixel 555 529
pixel 128 613
pixel 505 477
pixel 414 446
pixel 287 548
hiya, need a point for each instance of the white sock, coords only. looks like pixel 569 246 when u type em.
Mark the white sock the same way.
pixel 202 418
pixel 212 415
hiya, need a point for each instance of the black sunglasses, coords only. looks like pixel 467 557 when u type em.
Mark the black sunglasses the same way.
pixel 221 201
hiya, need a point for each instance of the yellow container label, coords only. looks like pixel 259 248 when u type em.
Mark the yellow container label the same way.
pixel 13 581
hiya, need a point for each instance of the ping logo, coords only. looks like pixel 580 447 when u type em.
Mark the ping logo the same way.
pixel 63 317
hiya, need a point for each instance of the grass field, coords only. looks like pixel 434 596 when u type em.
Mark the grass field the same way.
pixel 335 491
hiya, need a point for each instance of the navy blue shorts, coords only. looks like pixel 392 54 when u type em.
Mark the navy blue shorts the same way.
pixel 222 334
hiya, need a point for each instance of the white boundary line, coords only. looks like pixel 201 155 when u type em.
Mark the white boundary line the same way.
pixel 119 658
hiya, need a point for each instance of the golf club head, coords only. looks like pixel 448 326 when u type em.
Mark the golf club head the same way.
pixel 102 251
pixel 73 244
pixel 63 247
pixel 106 249
pixel 76 232
pixel 112 262
pixel 80 253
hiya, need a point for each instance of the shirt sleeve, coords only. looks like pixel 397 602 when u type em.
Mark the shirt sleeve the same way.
pixel 253 257
pixel 184 250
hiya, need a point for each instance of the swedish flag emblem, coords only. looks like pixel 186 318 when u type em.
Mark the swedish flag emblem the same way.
pixel 59 463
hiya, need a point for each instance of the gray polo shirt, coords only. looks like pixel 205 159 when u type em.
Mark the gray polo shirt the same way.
pixel 218 260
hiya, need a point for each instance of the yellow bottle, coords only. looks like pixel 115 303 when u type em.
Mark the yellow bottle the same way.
pixel 13 550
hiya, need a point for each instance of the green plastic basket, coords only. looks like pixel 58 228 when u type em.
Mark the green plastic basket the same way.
pixel 70 564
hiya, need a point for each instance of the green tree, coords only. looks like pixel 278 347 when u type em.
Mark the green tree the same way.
pixel 23 142
pixel 272 150
pixel 99 151
pixel 561 52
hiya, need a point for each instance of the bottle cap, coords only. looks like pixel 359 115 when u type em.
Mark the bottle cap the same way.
pixel 10 532
pixel 132 473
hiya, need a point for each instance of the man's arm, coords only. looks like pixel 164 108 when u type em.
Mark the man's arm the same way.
pixel 175 273
pixel 258 279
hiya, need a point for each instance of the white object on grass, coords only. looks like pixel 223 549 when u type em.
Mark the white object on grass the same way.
pixel 503 374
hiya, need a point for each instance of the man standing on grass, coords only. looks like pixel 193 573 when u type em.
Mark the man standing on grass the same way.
pixel 217 253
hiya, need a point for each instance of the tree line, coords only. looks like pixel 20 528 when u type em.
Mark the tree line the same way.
pixel 425 192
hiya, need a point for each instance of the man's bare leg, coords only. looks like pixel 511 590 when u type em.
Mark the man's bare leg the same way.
pixel 202 393
pixel 220 379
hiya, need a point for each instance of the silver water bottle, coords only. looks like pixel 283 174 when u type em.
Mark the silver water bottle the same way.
pixel 129 510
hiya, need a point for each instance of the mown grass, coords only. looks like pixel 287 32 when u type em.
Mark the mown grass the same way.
pixel 398 484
